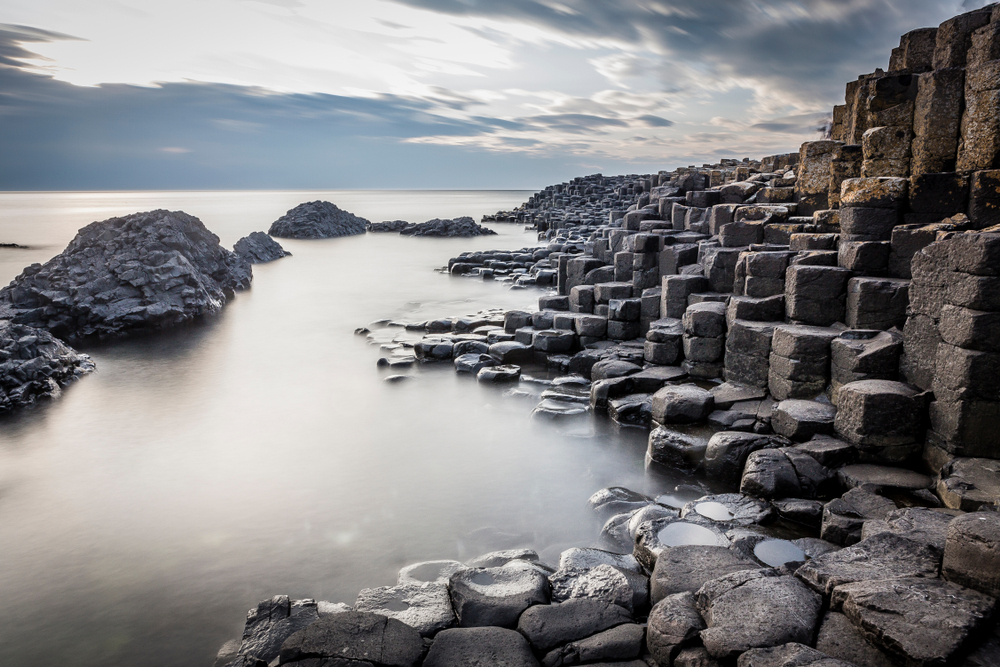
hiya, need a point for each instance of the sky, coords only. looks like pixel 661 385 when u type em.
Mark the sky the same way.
pixel 314 94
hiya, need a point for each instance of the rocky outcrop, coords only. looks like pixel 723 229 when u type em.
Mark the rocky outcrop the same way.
pixel 34 365
pixel 259 248
pixel 141 272
pixel 388 226
pixel 458 227
pixel 317 220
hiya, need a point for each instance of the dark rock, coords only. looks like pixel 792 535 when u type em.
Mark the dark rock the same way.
pixel 970 483
pixel 480 647
pixel 424 607
pixel 317 220
pixel 259 248
pixel 653 538
pixel 685 569
pixel 919 524
pixel 676 450
pixel 838 638
pixel 496 595
pixel 972 552
pixel 732 508
pixel 682 404
pixel 356 635
pixel 801 420
pixel 622 642
pixel 727 452
pixel 550 626
pixel 844 518
pixel 882 477
pixel 270 624
pixel 589 557
pixel 617 499
pixel 387 226
pixel 143 272
pixel 505 373
pixel 604 583
pixel 789 655
pixel 673 622
pixel 34 365
pixel 879 557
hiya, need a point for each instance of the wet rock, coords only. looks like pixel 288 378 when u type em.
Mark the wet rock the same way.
pixel 727 453
pixel 919 524
pixel 480 647
pixel 259 248
pixel 142 272
pixel 270 624
pixel 844 517
pixel 675 450
pixel 623 642
pixel 505 373
pixel 830 452
pixel 356 635
pixel 785 472
pixel 603 583
pixel 970 483
pixel 424 607
pixel 653 538
pixel 673 622
pixel 838 638
pixel 317 220
pixel 501 558
pixel 800 510
pixel 473 362
pixel 612 368
pixel 972 552
pixel 882 477
pixel 588 558
pixel 815 547
pixel 559 409
pixel 617 499
pixel 459 227
pixel 756 609
pixel 879 557
pixel 919 621
pixel 801 420
pixel 495 596
pixel 429 572
pixel 687 568
pixel 34 365
pixel 789 655
pixel 681 404
pixel 550 626
pixel 735 508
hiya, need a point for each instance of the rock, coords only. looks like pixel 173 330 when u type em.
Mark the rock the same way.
pixel 673 622
pixel 472 362
pixel 695 656
pixel 505 373
pixel 549 626
pixel 459 227
pixel 882 477
pixel 429 572
pixel 142 272
pixel 682 404
pixel 756 609
pixel 356 635
pixel 687 568
pixel 622 642
pixel 588 558
pixel 617 499
pixel 612 368
pixel 972 552
pixel 734 508
pixel 727 453
pixel 34 365
pixel 603 583
pixel 844 518
pixel 789 655
pixel 831 452
pixel 675 450
pixel 919 621
pixel 270 624
pixel 879 413
pixel 879 557
pixel 653 538
pixel 495 596
pixel 387 226
pixel 800 510
pixel 970 483
pixel 317 220
pixel 424 607
pixel 785 473
pixel 801 420
pixel 480 647
pixel 259 248
pixel 838 638
pixel 501 558
pixel 919 524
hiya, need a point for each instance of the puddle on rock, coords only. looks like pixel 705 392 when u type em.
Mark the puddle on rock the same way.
pixel 714 511
pixel 682 533
pixel 776 553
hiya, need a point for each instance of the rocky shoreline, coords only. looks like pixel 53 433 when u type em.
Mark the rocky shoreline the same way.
pixel 817 331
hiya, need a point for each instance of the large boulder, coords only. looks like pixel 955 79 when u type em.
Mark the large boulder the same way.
pixel 270 624
pixel 356 636
pixel 317 220
pixel 479 647
pixel 673 622
pixel 459 227
pixel 141 272
pixel 550 626
pixel 259 248
pixel 496 595
pixel 35 365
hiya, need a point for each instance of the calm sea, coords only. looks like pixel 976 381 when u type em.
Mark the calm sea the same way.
pixel 260 453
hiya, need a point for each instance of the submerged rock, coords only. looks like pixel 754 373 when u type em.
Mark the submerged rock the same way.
pixel 458 227
pixel 142 272
pixel 317 220
pixel 35 365
pixel 259 248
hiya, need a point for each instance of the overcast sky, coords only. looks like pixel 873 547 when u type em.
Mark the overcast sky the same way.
pixel 169 94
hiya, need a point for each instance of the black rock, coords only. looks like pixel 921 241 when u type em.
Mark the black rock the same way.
pixel 388 226
pixel 142 272
pixel 34 365
pixel 459 227
pixel 551 626
pixel 270 624
pixel 480 647
pixel 259 248
pixel 356 636
pixel 317 220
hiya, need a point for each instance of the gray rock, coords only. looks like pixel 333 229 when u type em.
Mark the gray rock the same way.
pixel 501 558
pixel 387 226
pixel 844 518
pixel 603 583
pixel 734 508
pixel 472 362
pixel 694 656
pixel 972 552
pixel 879 557
pixel 588 557
pixel 34 365
pixel 919 621
pixel 459 227
pixel 785 473
pixel 687 568
pixel 970 483
pixel 682 404
pixel 550 626
pixel 480 647
pixel 622 642
pixel 830 452
pixel 259 248
pixel 429 572
pixel 801 420
pixel 789 655
pixel 142 272
pixel 675 450
pixel 673 622
pixel 756 609
pixel 505 373
pixel 356 635
pixel 727 453
pixel 879 413
pixel 882 477
pixel 920 524
pixel 424 607
pixel 496 595
pixel 612 368
pixel 838 638
pixel 616 500
pixel 270 624
pixel 653 538
pixel 317 220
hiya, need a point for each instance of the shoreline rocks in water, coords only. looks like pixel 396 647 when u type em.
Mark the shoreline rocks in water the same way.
pixel 317 220
pixel 141 272
pixel 259 248
pixel 458 227
pixel 34 365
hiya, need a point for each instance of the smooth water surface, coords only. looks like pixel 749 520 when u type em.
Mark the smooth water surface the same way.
pixel 259 453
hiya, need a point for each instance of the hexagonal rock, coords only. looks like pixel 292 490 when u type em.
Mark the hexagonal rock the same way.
pixel 789 655
pixel 496 595
pixel 654 537
pixel 612 368
pixel 785 473
pixel 622 642
pixel 356 635
pixel 972 552
pixel 970 483
pixel 586 557
pixel 460 647
pixel 879 192
pixel 756 609
pixel 801 420
pixel 838 638
pixel 505 373
pixel 882 477
pixel 501 558
pixel 682 404
pixel 920 524
pixel 549 626
pixel 424 607
pixel 879 557
pixel 921 622
pixel 603 583
pixel 844 517
pixel 673 621
pixel 685 569
pixel 727 452
pixel 734 508
pixel 431 571
pixel 879 413
pixel 675 450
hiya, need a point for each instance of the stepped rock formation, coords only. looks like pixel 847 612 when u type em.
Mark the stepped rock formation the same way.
pixel 141 272
pixel 259 248
pixel 35 365
pixel 453 228
pixel 317 220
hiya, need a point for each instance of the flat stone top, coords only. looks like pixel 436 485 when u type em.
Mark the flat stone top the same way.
pixel 860 474
pixel 873 387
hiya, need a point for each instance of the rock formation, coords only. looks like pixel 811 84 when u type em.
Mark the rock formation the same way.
pixel 259 248
pixel 35 365
pixel 317 220
pixel 458 227
pixel 141 272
